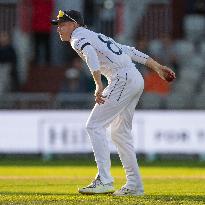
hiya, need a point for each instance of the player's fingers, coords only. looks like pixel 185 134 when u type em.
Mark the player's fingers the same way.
pixel 102 96
pixel 172 74
pixel 99 100
pixel 99 94
pixel 170 78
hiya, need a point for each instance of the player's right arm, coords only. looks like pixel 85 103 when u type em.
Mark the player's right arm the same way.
pixel 99 98
pixel 86 49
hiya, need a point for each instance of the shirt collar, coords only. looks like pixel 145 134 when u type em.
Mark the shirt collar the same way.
pixel 77 30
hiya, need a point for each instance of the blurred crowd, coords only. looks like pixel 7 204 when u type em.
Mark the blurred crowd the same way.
pixel 185 56
pixel 8 61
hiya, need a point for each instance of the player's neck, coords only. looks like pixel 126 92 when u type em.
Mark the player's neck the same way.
pixel 73 32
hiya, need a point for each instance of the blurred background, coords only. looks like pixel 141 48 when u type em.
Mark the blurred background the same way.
pixel 38 71
pixel 46 91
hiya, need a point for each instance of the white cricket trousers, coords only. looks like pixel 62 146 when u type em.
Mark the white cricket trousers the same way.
pixel 123 93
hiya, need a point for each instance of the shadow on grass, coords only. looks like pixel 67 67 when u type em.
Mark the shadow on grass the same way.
pixel 38 194
pixel 88 160
pixel 194 198
pixel 176 197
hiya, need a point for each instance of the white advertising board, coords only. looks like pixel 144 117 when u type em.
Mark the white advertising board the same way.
pixel 64 132
pixel 173 132
pixel 18 132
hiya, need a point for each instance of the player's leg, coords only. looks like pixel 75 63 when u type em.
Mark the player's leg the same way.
pixel 119 95
pixel 121 136
pixel 101 116
pixel 97 134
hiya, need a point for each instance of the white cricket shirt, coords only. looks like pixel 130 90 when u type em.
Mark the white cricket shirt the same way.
pixel 103 53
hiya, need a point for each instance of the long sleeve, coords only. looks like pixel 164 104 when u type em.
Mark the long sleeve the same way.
pixel 84 47
pixel 134 54
pixel 91 58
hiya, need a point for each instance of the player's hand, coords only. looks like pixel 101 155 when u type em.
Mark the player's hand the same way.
pixel 99 97
pixel 167 74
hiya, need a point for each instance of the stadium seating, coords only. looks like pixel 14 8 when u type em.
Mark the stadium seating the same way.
pixel 184 51
pixel 26 101
pixel 151 101
pixel 179 100
pixel 199 102
pixel 202 48
pixel 44 79
pixel 189 51
pixel 4 77
pixel 74 100
pixel 194 27
pixel 155 47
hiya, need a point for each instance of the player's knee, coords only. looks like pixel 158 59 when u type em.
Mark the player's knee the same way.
pixel 116 132
pixel 115 135
pixel 92 126
pixel 89 126
pixel 118 135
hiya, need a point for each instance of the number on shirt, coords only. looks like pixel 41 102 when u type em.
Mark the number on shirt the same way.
pixel 109 43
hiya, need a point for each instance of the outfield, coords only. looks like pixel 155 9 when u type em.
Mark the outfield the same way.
pixel 46 183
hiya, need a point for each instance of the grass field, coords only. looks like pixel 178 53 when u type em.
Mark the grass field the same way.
pixel 56 182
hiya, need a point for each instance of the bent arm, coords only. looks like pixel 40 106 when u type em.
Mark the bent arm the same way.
pixel 93 63
pixel 97 78
pixel 91 58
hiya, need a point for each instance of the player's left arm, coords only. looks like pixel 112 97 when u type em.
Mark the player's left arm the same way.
pixel 163 71
pixel 134 54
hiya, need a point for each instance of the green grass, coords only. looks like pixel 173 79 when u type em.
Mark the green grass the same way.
pixel 35 182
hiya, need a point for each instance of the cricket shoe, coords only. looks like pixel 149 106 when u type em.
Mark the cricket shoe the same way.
pixel 97 187
pixel 128 192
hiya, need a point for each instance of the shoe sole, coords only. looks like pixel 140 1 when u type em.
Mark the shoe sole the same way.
pixel 128 195
pixel 92 193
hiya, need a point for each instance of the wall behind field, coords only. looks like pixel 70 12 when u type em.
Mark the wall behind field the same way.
pixel 64 132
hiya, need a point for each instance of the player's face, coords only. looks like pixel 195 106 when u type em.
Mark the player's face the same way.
pixel 65 29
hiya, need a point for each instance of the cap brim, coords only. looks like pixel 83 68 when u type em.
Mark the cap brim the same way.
pixel 55 22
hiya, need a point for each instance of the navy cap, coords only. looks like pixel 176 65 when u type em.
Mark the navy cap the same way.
pixel 70 15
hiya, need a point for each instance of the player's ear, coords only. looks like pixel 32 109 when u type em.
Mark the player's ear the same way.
pixel 75 25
